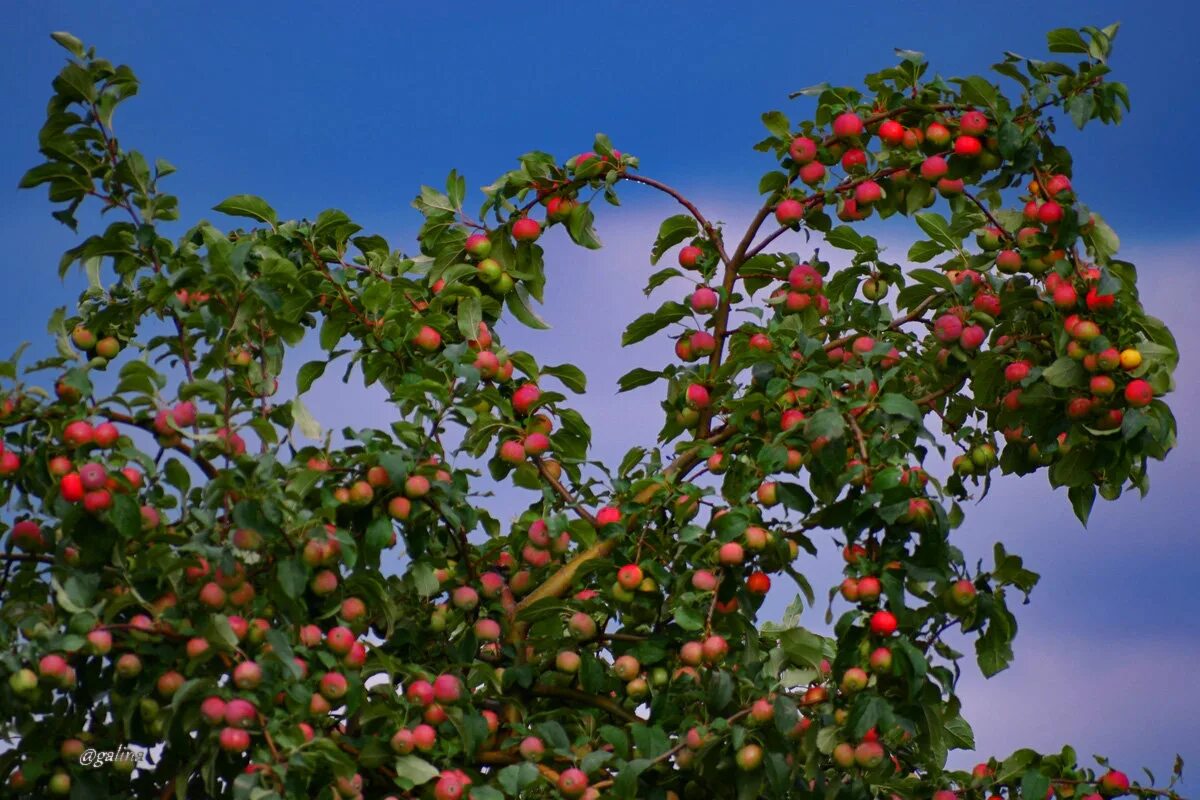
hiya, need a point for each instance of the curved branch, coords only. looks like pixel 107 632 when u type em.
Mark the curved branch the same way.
pixel 712 233
pixel 583 698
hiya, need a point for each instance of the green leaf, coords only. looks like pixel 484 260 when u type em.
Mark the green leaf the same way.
pixel 924 250
pixel 469 316
pixel 69 42
pixel 308 425
pixel 1064 372
pixel 554 735
pixel 938 229
pixel 247 205
pixel 515 778
pixel 827 422
pixel 637 377
pixel 308 374
pixel 778 124
pixel 414 770
pixel 1064 40
pixel 900 406
pixel 803 647
pixel 426 582
pixel 1082 498
pixel 571 376
pixel 579 226
pixel 671 232
pixel 959 735
pixel 720 691
pixel 652 322
pixel 292 578
pixel 846 238
pixel 518 304
pixel 1034 784
pixel 1081 107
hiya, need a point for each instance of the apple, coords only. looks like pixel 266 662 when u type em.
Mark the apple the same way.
pixel 567 661
pixel 1113 783
pixel 802 150
pixel 704 300
pixel 883 623
pixel 934 168
pixel 526 229
pixel 869 755
pixel 715 648
pixel 247 675
pixel 428 339
pixel 447 689
pixel 789 212
pixel 1138 393
pixel 749 756
pixel 572 782
pixel 847 125
pixel 880 660
pixel 478 245
pixel 758 583
pixel 424 737
pixel 234 740
pixel 690 256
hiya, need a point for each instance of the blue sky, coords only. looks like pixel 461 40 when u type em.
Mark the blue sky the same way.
pixel 356 106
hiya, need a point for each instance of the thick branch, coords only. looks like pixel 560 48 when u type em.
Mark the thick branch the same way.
pixel 583 698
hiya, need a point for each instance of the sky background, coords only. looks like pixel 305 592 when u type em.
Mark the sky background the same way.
pixel 355 105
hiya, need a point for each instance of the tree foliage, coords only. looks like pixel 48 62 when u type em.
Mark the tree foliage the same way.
pixel 186 572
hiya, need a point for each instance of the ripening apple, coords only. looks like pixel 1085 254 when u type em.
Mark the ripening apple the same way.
pixel 883 623
pixel 704 300
pixel 525 398
pixel 843 755
pixel 234 740
pixel 934 168
pixel 478 245
pixel 428 339
pixel 768 494
pixel 869 589
pixel 1138 393
pixel 1113 783
pixel 447 689
pixel 947 328
pixel 690 256
pixel 572 782
pixel 704 581
pixel 869 754
pixel 691 654
pixel 567 661
pixel 715 648
pixel 854 680
pixel 847 125
pixel 789 212
pixel 812 173
pixel 424 737
pixel 526 229
pixel 749 757
pixel 880 660
pixel 802 150
pixel 532 748
pixel 731 554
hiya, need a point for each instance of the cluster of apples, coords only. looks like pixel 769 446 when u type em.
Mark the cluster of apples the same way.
pixel 961 146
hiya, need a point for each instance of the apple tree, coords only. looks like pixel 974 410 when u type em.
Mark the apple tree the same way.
pixel 191 568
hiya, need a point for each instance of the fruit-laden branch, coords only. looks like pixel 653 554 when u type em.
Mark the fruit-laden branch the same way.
pixel 565 493
pixel 204 464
